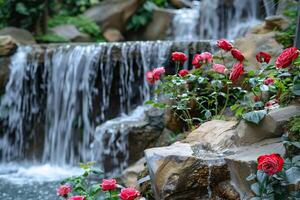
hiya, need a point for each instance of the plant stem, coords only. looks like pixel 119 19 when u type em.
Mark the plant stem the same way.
pixel 226 102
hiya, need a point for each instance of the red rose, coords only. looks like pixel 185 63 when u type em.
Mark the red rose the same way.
pixel 224 44
pixel 179 56
pixel 287 57
pixel 108 184
pixel 157 72
pixel 129 194
pixel 63 190
pixel 236 71
pixel 183 72
pixel 149 77
pixel 270 164
pixel 237 54
pixel 219 68
pixel 268 81
pixel 77 198
pixel 196 61
pixel 263 57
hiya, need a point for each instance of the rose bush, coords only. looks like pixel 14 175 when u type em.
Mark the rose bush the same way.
pixel 277 176
pixel 84 188
pixel 205 92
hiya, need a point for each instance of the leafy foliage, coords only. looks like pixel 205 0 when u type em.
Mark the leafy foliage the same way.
pixel 281 186
pixel 144 14
pixel 286 36
pixel 84 24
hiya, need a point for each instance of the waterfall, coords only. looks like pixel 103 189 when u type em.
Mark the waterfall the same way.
pixel 214 19
pixel 57 95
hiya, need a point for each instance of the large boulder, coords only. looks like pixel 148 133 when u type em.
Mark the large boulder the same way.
pixel 7 45
pixel 21 36
pixel 183 170
pixel 113 35
pixel 244 162
pixel 251 44
pixel 131 174
pixel 216 134
pixel 158 28
pixel 113 13
pixel 70 33
pixel 4 73
pixel 271 126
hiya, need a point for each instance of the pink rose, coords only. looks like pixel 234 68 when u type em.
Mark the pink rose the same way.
pixel 202 58
pixel 183 72
pixel 157 72
pixel 149 77
pixel 129 194
pixel 269 81
pixel 224 44
pixel 237 54
pixel 179 56
pixel 108 184
pixel 287 57
pixel 219 68
pixel 63 190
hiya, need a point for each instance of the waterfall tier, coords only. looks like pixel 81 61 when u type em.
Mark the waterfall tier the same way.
pixel 57 94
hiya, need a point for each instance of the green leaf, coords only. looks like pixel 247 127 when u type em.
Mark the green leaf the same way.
pixel 297 61
pixel 293 175
pixel 296 89
pixel 264 88
pixel 261 176
pixel 296 144
pixel 21 8
pixel 255 188
pixel 251 177
pixel 149 102
pixel 255 116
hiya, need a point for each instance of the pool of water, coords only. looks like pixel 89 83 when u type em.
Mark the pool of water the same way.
pixel 32 182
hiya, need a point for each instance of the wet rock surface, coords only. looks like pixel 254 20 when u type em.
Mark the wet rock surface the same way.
pixel 21 36
pixel 214 160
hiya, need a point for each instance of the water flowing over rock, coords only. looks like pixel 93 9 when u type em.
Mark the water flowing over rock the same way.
pixel 214 19
pixel 57 94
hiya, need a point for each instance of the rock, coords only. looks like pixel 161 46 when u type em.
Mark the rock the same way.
pixel 179 171
pixel 113 35
pixel 158 28
pixel 276 22
pixel 251 44
pixel 21 36
pixel 125 138
pixel 217 134
pixel 4 73
pixel 7 45
pixel 180 3
pixel 70 33
pixel 131 174
pixel 244 162
pixel 113 13
pixel 270 127
pixel 226 190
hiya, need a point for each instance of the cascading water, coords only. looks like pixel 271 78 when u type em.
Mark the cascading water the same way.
pixel 76 88
pixel 214 19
